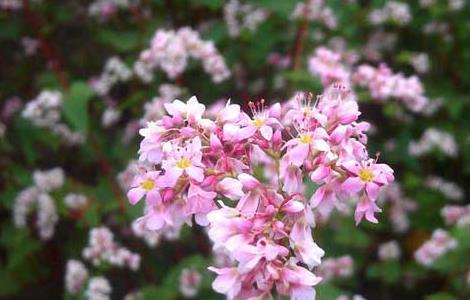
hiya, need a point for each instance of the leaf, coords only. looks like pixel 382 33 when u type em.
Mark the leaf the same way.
pixel 76 105
pixel 212 4
pixel 440 296
pixel 122 41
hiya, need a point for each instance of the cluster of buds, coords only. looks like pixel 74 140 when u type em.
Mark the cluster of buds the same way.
pixel 115 70
pixel 245 177
pixel 45 112
pixel 431 139
pixel 315 10
pixel 37 196
pixel 105 9
pixel 393 11
pixel 455 214
pixel 103 249
pixel 240 16
pixel 439 244
pixel 383 84
pixel 76 275
pixel 389 251
pixel 332 66
pixel 169 50
pixel 334 268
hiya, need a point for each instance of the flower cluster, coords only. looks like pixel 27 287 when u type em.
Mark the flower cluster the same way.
pixel 103 249
pixel 190 280
pixel 105 9
pixel 45 112
pixel 334 268
pixel 454 214
pixel 115 70
pixel 333 66
pixel 432 139
pixel 389 251
pixel 75 201
pixel 315 10
pixel 383 84
pixel 37 197
pixel 76 275
pixel 98 289
pixel 240 16
pixel 400 207
pixel 169 50
pixel 328 65
pixel 449 189
pixel 393 11
pixel 434 248
pixel 244 176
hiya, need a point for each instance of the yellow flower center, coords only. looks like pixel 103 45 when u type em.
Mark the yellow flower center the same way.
pixel 306 110
pixel 305 138
pixel 183 163
pixel 258 122
pixel 147 184
pixel 366 175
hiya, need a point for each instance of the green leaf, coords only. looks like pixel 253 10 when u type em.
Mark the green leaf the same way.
pixel 76 105
pixel 440 296
pixel 122 41
pixel 212 4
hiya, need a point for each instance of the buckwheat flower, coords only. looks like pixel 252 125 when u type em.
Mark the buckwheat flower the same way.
pixel 76 275
pixel 367 176
pixel 49 180
pixel 261 122
pixel 190 111
pixel 302 242
pixel 240 16
pixel 449 189
pixel 336 268
pixel 305 143
pixel 420 62
pixel 227 281
pixel 30 45
pixel 439 244
pixel 297 282
pixel 315 10
pixel 184 161
pixel 46 217
pixel 98 289
pixel 389 251
pixel 189 281
pixel 327 65
pixel 456 5
pixel 102 248
pixel 24 202
pixel 145 184
pixel 110 116
pixel 151 238
pixel 397 12
pixel 75 201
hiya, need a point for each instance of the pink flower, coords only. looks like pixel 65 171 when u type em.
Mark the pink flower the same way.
pixel 145 185
pixel 200 203
pixel 367 176
pixel 227 282
pixel 261 122
pixel 297 282
pixel 230 188
pixel 184 161
pixel 305 248
pixel 306 143
pixel 191 111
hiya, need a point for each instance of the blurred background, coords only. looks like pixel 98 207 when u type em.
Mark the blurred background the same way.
pixel 80 78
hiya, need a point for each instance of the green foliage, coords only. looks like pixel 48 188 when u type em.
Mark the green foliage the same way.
pixel 76 105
